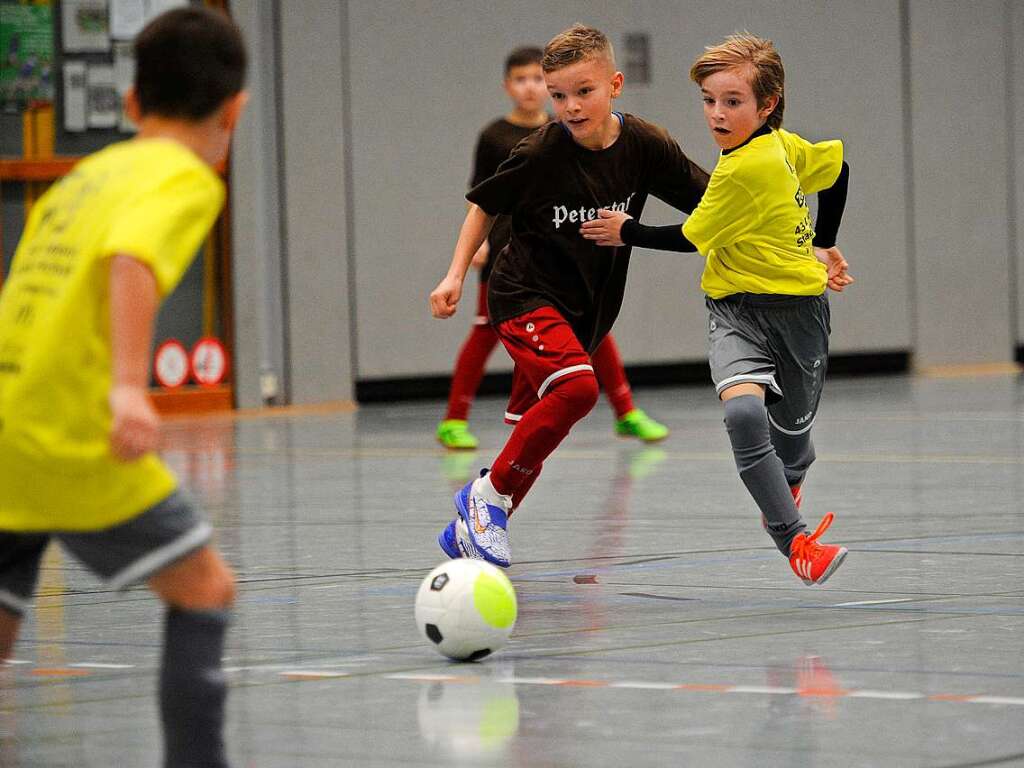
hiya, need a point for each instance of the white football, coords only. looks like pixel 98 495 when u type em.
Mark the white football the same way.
pixel 466 609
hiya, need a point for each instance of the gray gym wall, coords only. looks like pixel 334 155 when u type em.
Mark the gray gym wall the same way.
pixel 350 169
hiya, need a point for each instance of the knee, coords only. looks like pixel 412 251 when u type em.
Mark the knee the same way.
pixel 746 418
pixel 201 582
pixel 219 589
pixel 581 394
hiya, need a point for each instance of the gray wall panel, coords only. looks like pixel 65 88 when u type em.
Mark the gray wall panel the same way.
pixel 414 128
pixel 318 350
pixel 958 90
pixel 256 235
pixel 1016 91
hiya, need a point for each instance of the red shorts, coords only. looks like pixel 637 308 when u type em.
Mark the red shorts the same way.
pixel 544 350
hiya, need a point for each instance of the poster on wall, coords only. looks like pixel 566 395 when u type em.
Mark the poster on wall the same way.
pixel 103 105
pixel 26 70
pixel 74 96
pixel 85 26
pixel 127 17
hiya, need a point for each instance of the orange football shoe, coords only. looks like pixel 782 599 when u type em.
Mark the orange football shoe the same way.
pixel 814 562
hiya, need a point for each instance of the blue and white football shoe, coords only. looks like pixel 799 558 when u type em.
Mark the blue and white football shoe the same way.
pixel 448 540
pixel 481 529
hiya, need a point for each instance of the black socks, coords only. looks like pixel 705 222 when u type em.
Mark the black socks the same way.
pixel 193 689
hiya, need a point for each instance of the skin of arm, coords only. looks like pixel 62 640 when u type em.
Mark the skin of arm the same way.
pixel 445 297
pixel 134 300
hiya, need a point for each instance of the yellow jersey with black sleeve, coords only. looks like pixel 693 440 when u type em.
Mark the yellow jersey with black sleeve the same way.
pixel 153 200
pixel 753 225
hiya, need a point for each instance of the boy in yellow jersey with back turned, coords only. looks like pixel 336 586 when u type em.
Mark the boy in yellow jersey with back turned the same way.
pixel 765 277
pixel 77 431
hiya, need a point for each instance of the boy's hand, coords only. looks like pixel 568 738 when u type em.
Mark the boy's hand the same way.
pixel 445 297
pixel 606 229
pixel 838 277
pixel 136 427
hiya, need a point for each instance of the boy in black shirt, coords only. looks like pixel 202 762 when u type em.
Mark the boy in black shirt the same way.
pixel 524 84
pixel 553 295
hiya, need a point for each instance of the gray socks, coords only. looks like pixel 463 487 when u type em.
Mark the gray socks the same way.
pixel 796 452
pixel 193 689
pixel 761 469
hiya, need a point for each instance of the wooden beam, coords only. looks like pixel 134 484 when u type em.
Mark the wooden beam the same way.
pixel 192 400
pixel 51 169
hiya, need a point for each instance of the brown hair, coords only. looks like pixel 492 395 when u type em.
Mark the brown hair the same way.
pixel 521 57
pixel 755 55
pixel 577 43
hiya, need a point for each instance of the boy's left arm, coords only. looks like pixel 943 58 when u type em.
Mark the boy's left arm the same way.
pixel 831 204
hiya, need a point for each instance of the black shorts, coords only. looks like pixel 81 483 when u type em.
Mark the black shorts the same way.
pixel 122 555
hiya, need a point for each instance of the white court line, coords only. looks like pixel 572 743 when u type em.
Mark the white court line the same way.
pixel 876 602
pixel 100 665
pixel 771 690
pixel 894 695
pixel 645 686
pixel 997 700
pixel 432 678
pixel 13 662
pixel 764 690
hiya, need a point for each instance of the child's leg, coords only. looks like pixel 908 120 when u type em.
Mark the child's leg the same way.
pixel 796 452
pixel 760 467
pixel 199 591
pixel 540 431
pixel 166 546
pixel 19 570
pixel 800 340
pixel 611 375
pixel 554 388
pixel 469 365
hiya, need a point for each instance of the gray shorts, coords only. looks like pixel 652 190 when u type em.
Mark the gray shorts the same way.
pixel 780 342
pixel 122 555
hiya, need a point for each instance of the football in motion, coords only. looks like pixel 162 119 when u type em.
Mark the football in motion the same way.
pixel 466 609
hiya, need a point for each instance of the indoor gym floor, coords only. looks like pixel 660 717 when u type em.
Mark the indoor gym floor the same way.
pixel 657 626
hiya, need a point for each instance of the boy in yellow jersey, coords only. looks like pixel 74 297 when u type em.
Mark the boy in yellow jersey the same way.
pixel 765 277
pixel 77 430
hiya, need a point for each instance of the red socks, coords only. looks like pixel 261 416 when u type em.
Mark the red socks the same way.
pixel 469 370
pixel 540 431
pixel 612 376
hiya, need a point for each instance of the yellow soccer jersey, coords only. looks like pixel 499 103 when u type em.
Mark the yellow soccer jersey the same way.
pixel 153 200
pixel 753 225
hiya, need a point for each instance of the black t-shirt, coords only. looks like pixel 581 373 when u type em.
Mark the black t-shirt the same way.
pixel 496 142
pixel 549 186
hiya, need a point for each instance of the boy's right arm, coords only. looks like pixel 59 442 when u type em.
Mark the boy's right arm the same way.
pixel 134 300
pixel 445 298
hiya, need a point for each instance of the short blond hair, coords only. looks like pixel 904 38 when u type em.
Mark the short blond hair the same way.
pixel 578 43
pixel 755 54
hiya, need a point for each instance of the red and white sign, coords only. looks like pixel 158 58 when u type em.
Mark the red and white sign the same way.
pixel 170 364
pixel 209 362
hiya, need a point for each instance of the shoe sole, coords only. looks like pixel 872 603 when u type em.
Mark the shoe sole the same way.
pixel 456 447
pixel 460 507
pixel 444 546
pixel 832 567
pixel 647 440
